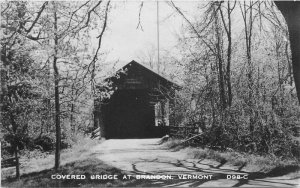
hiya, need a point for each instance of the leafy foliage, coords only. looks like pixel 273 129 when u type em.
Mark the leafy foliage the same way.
pixel 264 110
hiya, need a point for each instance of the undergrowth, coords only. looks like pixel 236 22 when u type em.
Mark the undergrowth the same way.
pixel 252 162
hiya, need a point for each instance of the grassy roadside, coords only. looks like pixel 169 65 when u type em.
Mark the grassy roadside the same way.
pixel 77 160
pixel 250 162
pixel 87 167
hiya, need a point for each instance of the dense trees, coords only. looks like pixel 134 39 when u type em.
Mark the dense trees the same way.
pixel 48 69
pixel 240 74
pixel 239 81
pixel 20 105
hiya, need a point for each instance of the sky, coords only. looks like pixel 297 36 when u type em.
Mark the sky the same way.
pixel 125 42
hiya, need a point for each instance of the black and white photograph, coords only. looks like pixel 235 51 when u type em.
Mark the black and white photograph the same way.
pixel 157 93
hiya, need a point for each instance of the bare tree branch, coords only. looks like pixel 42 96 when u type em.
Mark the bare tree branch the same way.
pixel 193 28
pixel 139 23
pixel 37 17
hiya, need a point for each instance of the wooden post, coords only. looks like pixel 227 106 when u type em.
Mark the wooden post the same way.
pixel 101 122
pixel 98 118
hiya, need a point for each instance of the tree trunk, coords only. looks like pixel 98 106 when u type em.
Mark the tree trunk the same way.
pixel 15 144
pixel 247 14
pixel 219 60
pixel 291 12
pixel 289 64
pixel 229 55
pixel 48 100
pixel 72 125
pixel 227 28
pixel 17 161
pixel 228 72
pixel 56 94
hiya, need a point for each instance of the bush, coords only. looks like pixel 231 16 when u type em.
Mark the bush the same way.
pixel 295 149
pixel 46 142
pixel 272 132
pixel 65 144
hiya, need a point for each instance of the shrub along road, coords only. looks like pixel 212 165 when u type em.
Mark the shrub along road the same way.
pixel 146 157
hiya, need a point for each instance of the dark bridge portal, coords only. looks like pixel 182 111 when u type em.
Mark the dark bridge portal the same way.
pixel 139 106
pixel 130 115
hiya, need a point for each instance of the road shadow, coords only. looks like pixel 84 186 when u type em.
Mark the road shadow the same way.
pixel 219 175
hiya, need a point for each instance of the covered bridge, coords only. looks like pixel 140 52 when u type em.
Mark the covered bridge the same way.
pixel 139 106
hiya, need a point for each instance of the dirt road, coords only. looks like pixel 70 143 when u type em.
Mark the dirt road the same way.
pixel 146 157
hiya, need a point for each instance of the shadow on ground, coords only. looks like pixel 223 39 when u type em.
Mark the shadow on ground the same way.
pixel 219 178
pixel 87 167
pixel 136 158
